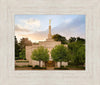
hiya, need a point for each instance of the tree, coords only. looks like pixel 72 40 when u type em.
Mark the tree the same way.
pixel 40 54
pixel 72 39
pixel 17 49
pixel 60 53
pixel 25 42
pixel 80 40
pixel 73 47
pixel 22 54
pixel 77 52
pixel 58 37
pixel 81 55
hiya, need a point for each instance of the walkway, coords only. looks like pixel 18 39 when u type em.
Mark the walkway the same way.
pixel 50 68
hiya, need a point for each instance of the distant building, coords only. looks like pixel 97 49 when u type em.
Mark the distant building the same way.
pixel 27 42
pixel 49 44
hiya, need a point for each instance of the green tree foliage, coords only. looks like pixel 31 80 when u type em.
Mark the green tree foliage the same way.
pixel 60 53
pixel 20 47
pixel 22 54
pixel 58 37
pixel 40 54
pixel 80 40
pixel 17 49
pixel 77 51
pixel 24 42
pixel 72 39
pixel 81 55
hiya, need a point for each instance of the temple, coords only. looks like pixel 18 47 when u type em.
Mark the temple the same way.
pixel 49 44
pixel 49 35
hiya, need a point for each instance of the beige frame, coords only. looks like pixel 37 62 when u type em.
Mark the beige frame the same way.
pixel 8 75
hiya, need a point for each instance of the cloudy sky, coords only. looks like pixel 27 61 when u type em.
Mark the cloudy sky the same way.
pixel 35 27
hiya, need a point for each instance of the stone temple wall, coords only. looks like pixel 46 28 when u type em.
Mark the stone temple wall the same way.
pixel 29 50
pixel 49 44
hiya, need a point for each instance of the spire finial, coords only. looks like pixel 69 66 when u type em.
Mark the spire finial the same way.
pixel 49 21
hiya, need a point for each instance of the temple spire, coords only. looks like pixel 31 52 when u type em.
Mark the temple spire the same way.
pixel 49 35
pixel 50 22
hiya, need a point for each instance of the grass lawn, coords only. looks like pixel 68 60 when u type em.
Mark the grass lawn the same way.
pixel 26 68
pixel 71 67
pixel 23 68
pixel 29 67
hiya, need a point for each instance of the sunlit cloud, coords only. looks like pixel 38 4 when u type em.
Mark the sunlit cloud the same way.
pixel 29 24
pixel 36 28
pixel 19 28
pixel 37 36
pixel 32 22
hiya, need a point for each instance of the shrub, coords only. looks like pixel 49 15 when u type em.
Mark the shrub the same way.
pixel 38 67
pixel 16 58
pixel 79 67
pixel 22 61
pixel 62 66
pixel 21 66
pixel 29 65
pixel 71 63
pixel 24 58
pixel 65 68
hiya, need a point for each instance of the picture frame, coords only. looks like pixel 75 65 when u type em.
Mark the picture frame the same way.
pixel 10 8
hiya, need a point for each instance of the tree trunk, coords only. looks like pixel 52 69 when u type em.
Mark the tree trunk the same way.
pixel 55 64
pixel 39 63
pixel 45 64
pixel 60 64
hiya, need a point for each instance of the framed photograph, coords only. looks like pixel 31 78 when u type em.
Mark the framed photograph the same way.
pixel 42 45
pixel 49 42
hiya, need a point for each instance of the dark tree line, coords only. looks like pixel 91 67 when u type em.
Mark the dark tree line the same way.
pixel 76 49
pixel 63 39
pixel 20 48
pixel 58 37
pixel 17 48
